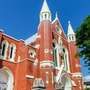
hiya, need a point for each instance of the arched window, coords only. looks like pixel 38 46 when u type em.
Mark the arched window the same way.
pixel 12 52
pixel 69 38
pixel 72 37
pixel 6 79
pixel 4 48
pixel 3 80
pixel 45 16
pixel 32 53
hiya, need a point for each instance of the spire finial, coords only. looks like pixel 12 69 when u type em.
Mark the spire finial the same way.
pixel 69 22
pixel 56 15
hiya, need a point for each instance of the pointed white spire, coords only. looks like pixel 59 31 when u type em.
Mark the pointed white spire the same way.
pixel 45 13
pixel 70 29
pixel 56 18
pixel 45 7
pixel 70 33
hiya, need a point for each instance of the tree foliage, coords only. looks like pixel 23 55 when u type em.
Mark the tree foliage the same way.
pixel 83 39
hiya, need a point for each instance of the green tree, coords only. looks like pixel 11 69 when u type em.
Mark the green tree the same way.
pixel 83 40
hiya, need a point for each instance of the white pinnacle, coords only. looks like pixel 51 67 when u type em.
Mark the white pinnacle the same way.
pixel 56 18
pixel 70 29
pixel 45 7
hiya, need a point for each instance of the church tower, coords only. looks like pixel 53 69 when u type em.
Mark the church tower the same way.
pixel 74 59
pixel 45 51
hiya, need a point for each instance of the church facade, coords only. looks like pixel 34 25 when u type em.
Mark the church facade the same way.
pixel 46 61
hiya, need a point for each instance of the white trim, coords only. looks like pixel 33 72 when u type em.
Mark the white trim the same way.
pixel 11 37
pixel 6 49
pixel 13 52
pixel 58 59
pixel 37 46
pixel 73 83
pixel 19 57
pixel 47 79
pixel 29 77
pixel 68 63
pixel 36 62
pixel 78 65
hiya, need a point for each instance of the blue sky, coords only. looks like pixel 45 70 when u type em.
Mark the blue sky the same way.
pixel 20 18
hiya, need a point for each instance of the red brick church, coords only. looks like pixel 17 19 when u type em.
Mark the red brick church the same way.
pixel 46 61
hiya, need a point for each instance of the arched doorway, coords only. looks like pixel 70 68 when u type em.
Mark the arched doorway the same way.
pixel 6 79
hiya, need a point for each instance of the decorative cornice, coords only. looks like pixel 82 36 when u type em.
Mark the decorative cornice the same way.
pixel 46 64
pixel 29 76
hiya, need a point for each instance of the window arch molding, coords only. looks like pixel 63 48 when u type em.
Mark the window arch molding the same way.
pixel 4 49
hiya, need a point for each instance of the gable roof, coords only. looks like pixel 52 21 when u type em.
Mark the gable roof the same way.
pixel 31 39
